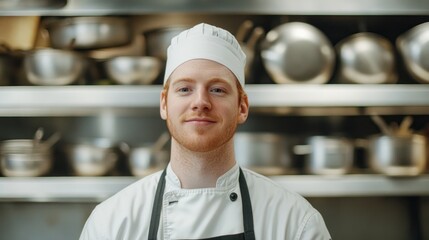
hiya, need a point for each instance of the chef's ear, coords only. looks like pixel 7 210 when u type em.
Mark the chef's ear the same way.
pixel 163 104
pixel 243 108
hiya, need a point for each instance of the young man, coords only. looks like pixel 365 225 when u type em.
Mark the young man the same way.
pixel 203 193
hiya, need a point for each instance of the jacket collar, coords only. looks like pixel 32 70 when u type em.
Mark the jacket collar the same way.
pixel 228 179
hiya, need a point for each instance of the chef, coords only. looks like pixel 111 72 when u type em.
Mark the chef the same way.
pixel 203 193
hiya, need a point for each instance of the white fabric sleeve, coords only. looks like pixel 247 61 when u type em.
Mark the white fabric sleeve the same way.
pixel 314 229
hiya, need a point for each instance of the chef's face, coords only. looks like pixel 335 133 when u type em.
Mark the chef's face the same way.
pixel 204 106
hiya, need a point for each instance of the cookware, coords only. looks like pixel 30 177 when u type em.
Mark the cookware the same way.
pixel 148 158
pixel 53 66
pixel 266 153
pixel 413 46
pixel 157 40
pixel 96 157
pixel 366 58
pixel 327 155
pixel 27 157
pixel 298 52
pixel 397 155
pixel 248 43
pixel 90 32
pixel 6 65
pixel 133 69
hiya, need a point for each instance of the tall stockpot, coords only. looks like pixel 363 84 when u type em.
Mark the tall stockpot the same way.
pixel 266 153
pixel 327 155
pixel 397 155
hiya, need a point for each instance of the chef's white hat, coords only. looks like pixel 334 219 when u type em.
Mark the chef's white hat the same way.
pixel 205 41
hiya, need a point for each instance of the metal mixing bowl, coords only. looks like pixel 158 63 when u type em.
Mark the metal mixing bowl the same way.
pixel 53 67
pixel 22 158
pixel 133 69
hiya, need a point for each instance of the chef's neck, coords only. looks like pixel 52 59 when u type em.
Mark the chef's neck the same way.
pixel 201 169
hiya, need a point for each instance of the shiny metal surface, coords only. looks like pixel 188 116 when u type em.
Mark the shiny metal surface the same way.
pixel 327 7
pixel 96 189
pixel 157 40
pixel 266 153
pixel 34 4
pixel 414 48
pixel 89 32
pixel 143 161
pixel 297 52
pixel 53 67
pixel 398 155
pixel 133 69
pixel 21 158
pixel 366 58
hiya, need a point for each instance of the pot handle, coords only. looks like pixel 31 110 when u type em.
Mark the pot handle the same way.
pixel 302 149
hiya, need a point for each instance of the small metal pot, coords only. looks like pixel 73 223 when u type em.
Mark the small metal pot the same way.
pixel 96 157
pixel 53 67
pixel 89 32
pixel 397 155
pixel 24 158
pixel 143 160
pixel 266 153
pixel 366 58
pixel 157 40
pixel 327 155
pixel 133 69
pixel 298 52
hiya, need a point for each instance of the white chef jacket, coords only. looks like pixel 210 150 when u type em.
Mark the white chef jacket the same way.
pixel 207 212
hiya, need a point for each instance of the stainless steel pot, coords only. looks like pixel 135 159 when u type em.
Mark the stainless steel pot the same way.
pixel 53 67
pixel 327 155
pixel 89 32
pixel 157 40
pixel 366 58
pixel 24 158
pixel 95 157
pixel 395 155
pixel 143 160
pixel 413 46
pixel 133 69
pixel 298 52
pixel 266 153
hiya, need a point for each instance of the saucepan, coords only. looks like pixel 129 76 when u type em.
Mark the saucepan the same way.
pixel 327 155
pixel 263 152
pixel 157 40
pixel 93 157
pixel 27 157
pixel 89 32
pixel 298 52
pixel 366 58
pixel 147 158
pixel 413 46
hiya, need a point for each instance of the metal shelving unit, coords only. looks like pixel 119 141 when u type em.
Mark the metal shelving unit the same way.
pixel 84 100
pixel 96 189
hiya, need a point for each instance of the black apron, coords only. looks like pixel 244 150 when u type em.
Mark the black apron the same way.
pixel 248 234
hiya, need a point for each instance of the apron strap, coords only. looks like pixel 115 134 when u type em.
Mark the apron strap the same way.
pixel 157 207
pixel 249 233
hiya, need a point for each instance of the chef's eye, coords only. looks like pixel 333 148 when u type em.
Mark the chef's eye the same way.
pixel 217 90
pixel 184 90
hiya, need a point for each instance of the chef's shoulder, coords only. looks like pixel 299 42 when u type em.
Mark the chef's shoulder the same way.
pixel 119 213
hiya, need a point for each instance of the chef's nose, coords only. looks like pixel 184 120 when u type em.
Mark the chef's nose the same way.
pixel 201 101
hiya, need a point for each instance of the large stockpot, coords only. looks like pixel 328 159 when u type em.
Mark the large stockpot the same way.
pixel 89 32
pixel 327 155
pixel 366 58
pixel 96 157
pixel 413 45
pixel 397 155
pixel 298 52
pixel 25 158
pixel 143 161
pixel 266 153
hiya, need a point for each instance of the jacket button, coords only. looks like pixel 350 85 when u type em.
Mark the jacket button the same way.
pixel 233 196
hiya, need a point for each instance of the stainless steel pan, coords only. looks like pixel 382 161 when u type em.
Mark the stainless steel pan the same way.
pixel 298 52
pixel 366 58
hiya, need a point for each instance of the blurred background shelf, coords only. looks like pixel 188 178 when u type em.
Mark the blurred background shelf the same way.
pixel 272 98
pixel 95 189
